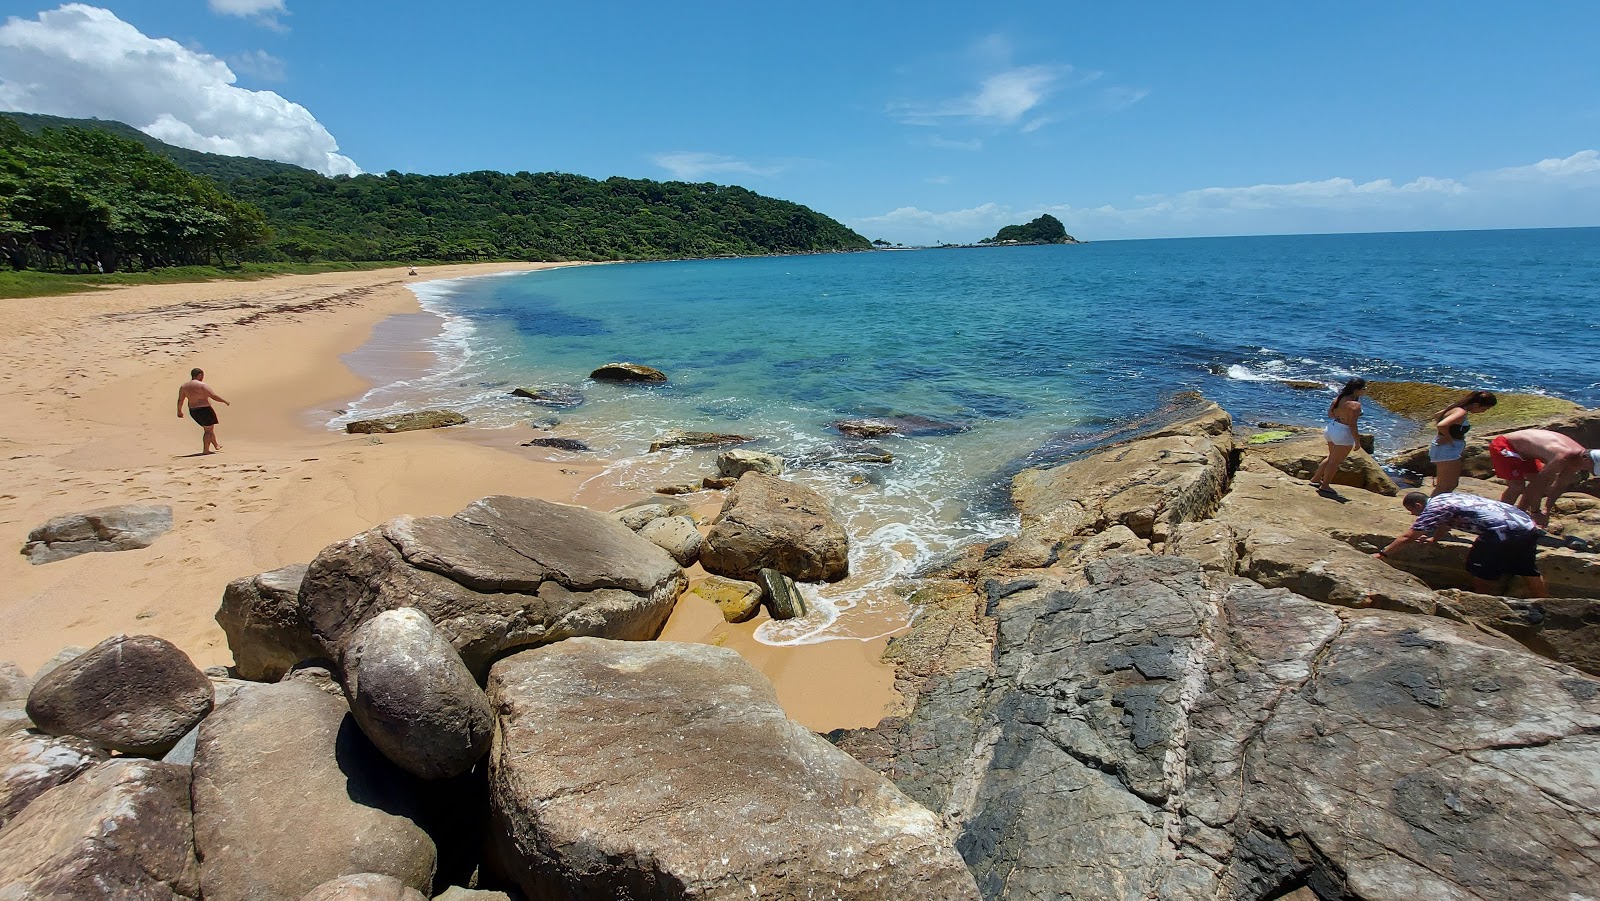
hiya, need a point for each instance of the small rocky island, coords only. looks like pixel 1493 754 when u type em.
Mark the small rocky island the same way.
pixel 1046 229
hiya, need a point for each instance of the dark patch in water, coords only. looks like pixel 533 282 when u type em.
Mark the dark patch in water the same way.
pixel 989 405
pixel 548 322
pixel 730 357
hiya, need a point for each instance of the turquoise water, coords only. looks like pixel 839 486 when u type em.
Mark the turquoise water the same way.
pixel 1023 348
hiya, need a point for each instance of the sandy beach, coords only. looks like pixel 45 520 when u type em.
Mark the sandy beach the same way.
pixel 88 410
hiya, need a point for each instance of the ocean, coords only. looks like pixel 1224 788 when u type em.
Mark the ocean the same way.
pixel 1024 353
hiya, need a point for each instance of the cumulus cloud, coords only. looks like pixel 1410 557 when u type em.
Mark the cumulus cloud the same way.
pixel 688 165
pixel 1551 193
pixel 82 61
pixel 264 12
pixel 259 64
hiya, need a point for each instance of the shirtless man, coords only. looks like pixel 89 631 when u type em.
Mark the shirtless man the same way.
pixel 1538 465
pixel 199 397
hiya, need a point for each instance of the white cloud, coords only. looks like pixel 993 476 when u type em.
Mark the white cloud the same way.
pixel 260 64
pixel 688 165
pixel 1550 193
pixel 1120 98
pixel 1000 99
pixel 944 143
pixel 264 12
pixel 82 61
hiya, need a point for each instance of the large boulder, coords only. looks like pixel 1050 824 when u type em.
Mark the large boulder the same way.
pixel 768 522
pixel 628 372
pixel 665 770
pixel 502 574
pixel 121 528
pixel 289 794
pixel 120 831
pixel 406 422
pixel 1149 484
pixel 1155 731
pixel 260 615
pixel 413 697
pixel 735 463
pixel 134 694
pixel 677 536
pixel 1300 453
pixel 32 764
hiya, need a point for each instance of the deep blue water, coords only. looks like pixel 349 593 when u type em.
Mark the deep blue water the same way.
pixel 1017 344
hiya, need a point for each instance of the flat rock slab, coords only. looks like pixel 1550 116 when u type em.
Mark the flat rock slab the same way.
pixel 502 574
pixel 121 528
pixel 406 422
pixel 665 770
pixel 133 694
pixel 120 831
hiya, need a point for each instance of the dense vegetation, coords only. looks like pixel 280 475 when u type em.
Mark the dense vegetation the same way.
pixel 1046 229
pixel 80 199
pixel 275 212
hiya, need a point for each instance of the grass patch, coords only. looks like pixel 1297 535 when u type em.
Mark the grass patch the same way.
pixel 29 283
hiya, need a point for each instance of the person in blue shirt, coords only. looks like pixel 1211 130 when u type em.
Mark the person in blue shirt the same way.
pixel 1508 538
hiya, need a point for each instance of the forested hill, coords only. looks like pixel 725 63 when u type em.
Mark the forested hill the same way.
pixel 480 215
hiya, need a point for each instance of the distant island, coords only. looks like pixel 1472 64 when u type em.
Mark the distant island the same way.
pixel 1046 229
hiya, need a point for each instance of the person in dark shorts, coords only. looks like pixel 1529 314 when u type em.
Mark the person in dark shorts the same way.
pixel 198 395
pixel 1508 538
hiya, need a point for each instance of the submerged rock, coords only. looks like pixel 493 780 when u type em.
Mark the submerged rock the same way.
pixel 908 426
pixel 627 372
pixel 558 396
pixel 769 522
pixel 406 422
pixel 697 439
pixel 121 528
pixel 566 444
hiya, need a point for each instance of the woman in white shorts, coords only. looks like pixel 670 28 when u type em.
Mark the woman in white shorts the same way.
pixel 1450 443
pixel 1340 432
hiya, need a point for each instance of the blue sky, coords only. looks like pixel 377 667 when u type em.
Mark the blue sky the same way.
pixel 914 123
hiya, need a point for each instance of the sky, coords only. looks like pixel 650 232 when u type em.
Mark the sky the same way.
pixel 913 123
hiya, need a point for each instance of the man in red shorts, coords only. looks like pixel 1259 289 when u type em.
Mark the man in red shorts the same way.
pixel 1537 465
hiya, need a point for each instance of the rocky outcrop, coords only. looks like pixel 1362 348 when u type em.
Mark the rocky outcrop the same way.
pixel 122 528
pixel 559 397
pixel 627 372
pixel 406 422
pixel 739 601
pixel 698 439
pixel 364 887
pixel 261 617
pixel 677 536
pixel 1563 629
pixel 1298 454
pixel 136 695
pixel 735 463
pixel 289 794
pixel 413 697
pixel 769 522
pixel 32 764
pixel 502 574
pixel 1583 426
pixel 1153 731
pixel 668 770
pixel 121 830
pixel 1149 485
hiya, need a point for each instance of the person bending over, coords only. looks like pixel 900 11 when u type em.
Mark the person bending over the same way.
pixel 1538 465
pixel 1450 443
pixel 1507 543
pixel 1340 434
pixel 199 397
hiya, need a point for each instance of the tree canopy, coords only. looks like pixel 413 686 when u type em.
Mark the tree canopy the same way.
pixel 1046 229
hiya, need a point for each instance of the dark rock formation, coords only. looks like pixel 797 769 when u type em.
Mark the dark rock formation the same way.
pixel 137 695
pixel 664 770
pixel 123 528
pixel 406 422
pixel 908 426
pixel 769 522
pixel 261 617
pixel 413 697
pixel 698 439
pixel 627 372
pixel 556 396
pixel 566 444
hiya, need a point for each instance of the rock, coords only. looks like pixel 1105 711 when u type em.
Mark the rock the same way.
pixel 1156 732
pixel 852 455
pixel 636 514
pixel 718 483
pixel 1299 454
pixel 666 770
pixel 780 594
pixel 1582 426
pixel 910 426
pixel 364 887
pixel 289 794
pixel 182 753
pixel 677 536
pixel 261 617
pixel 413 697
pixel 62 657
pixel 698 439
pixel 14 716
pixel 680 488
pixel 1420 402
pixel 566 444
pixel 119 831
pixel 556 396
pixel 739 601
pixel 406 422
pixel 769 522
pixel 735 463
pixel 1305 385
pixel 122 528
pixel 457 893
pixel 14 683
pixel 1562 629
pixel 1149 484
pixel 627 372
pixel 32 764
pixel 137 695
pixel 503 573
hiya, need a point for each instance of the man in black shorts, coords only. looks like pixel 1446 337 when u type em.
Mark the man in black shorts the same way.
pixel 199 397
pixel 1508 538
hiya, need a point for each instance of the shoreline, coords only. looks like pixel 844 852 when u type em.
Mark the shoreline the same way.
pixel 90 389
